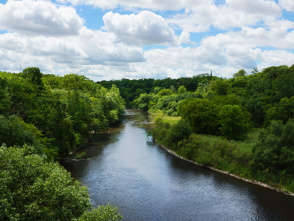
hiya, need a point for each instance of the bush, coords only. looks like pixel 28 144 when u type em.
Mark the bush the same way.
pixel 102 213
pixel 32 189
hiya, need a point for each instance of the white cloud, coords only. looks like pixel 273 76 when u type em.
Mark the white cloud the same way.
pixel 264 7
pixel 233 14
pixel 141 29
pixel 276 58
pixel 276 36
pixel 178 61
pixel 39 18
pixel 104 4
pixel 89 48
pixel 287 4
pixel 143 4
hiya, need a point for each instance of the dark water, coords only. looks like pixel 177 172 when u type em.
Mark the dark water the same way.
pixel 128 171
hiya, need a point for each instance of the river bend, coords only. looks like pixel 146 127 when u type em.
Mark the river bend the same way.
pixel 127 170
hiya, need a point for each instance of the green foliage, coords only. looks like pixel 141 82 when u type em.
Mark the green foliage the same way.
pixel 165 92
pixel 240 73
pixel 161 131
pixel 220 87
pixel 143 102
pixel 69 134
pixel 63 109
pixel 205 149
pixel 46 117
pixel 4 97
pixel 283 111
pixel 102 213
pixel 131 89
pixel 182 90
pixel 35 76
pixel 179 131
pixel 33 189
pixel 15 132
pixel 202 115
pixel 226 100
pixel 82 155
pixel 233 121
pixel 229 108
pixel 275 148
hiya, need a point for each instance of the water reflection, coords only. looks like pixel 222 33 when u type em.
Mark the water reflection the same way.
pixel 147 183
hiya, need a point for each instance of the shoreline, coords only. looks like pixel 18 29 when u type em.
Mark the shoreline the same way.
pixel 229 174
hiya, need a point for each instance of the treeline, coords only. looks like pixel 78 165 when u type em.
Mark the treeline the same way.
pixel 131 89
pixel 261 97
pixel 229 108
pixel 44 118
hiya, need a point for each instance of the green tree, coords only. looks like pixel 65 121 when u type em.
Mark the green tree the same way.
pixel 143 101
pixel 240 73
pixel 275 149
pixel 220 86
pixel 165 92
pixel 179 132
pixel 33 189
pixel 233 121
pixel 15 132
pixel 4 97
pixel 286 109
pixel 225 100
pixel 202 115
pixel 182 89
pixel 35 76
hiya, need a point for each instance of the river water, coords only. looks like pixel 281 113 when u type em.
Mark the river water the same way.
pixel 124 168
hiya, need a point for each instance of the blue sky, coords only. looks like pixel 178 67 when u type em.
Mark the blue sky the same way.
pixel 114 39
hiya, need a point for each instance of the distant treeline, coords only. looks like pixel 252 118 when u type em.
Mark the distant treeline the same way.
pixel 229 108
pixel 266 95
pixel 131 89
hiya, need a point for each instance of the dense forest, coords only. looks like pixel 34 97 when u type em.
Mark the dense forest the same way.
pixel 132 89
pixel 42 119
pixel 243 124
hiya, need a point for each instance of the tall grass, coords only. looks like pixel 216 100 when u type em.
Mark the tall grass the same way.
pixel 236 157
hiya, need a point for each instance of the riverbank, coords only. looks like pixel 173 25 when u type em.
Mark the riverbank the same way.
pixel 229 174
pixel 73 156
pixel 230 157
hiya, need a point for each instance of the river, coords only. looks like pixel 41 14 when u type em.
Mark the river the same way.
pixel 124 168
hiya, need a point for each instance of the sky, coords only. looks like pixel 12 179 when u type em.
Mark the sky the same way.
pixel 115 39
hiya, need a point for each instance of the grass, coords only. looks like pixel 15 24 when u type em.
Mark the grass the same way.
pixel 171 120
pixel 248 144
pixel 245 145
pixel 168 119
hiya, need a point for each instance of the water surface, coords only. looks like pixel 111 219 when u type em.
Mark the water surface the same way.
pixel 127 170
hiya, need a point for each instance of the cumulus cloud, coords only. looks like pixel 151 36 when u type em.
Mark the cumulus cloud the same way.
pixel 142 29
pixel 287 5
pixel 178 61
pixel 263 7
pixel 130 4
pixel 39 18
pixel 277 35
pixel 89 48
pixel 104 4
pixel 232 14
